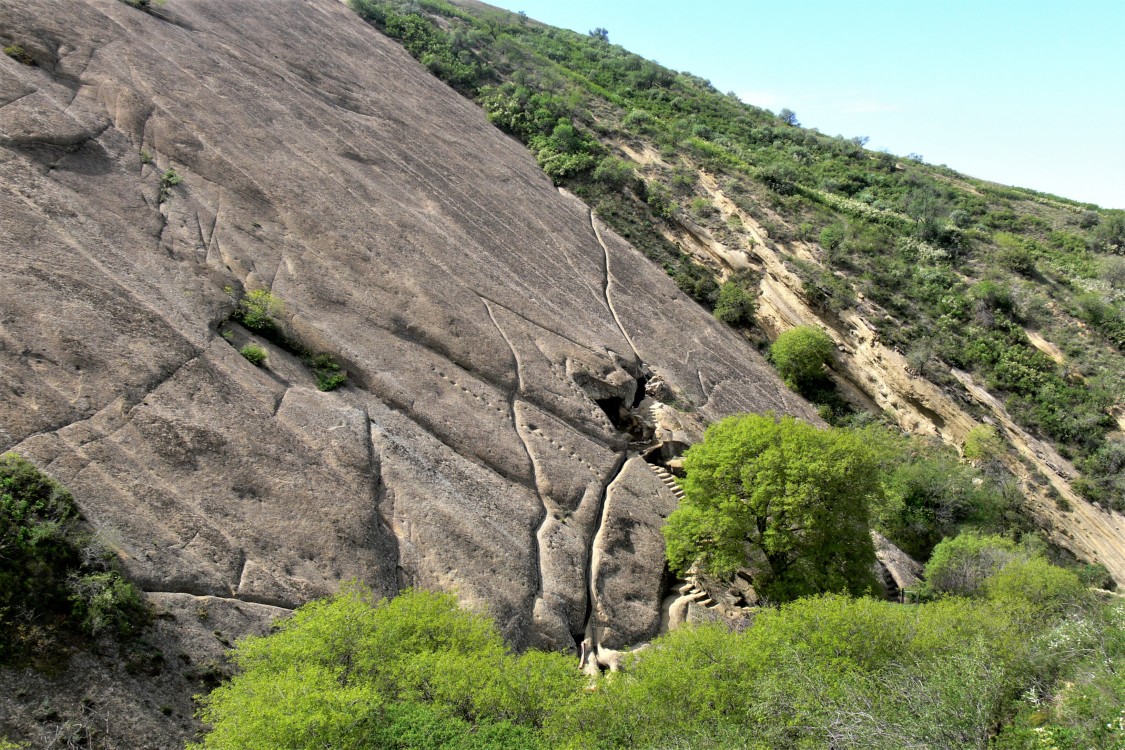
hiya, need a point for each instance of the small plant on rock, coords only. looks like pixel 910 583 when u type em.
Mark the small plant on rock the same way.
pixel 254 354
pixel 329 374
pixel 259 311
pixel 19 54
pixel 168 180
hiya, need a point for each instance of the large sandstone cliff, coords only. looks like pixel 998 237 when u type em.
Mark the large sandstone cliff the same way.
pixel 498 339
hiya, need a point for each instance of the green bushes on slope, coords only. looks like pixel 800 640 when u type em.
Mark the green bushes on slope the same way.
pixel 418 673
pixel 55 578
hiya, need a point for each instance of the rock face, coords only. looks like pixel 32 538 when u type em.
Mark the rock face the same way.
pixel 494 332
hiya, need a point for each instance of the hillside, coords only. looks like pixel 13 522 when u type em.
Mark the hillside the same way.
pixel 287 303
pixel 505 351
pixel 953 301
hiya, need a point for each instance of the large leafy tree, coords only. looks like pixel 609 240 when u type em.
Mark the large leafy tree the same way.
pixel 782 498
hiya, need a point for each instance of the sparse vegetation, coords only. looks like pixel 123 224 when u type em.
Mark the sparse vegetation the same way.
pixel 259 311
pixel 958 267
pixel 19 54
pixel 329 375
pixel 254 354
pixel 168 180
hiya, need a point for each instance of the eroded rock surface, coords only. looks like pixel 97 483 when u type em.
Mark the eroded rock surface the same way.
pixel 494 332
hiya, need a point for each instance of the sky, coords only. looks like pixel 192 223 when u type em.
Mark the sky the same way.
pixel 1021 92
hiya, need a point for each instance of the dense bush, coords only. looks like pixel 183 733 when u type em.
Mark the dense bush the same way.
pixel 55 578
pixel 962 565
pixel 413 672
pixel 800 355
pixel 418 673
pixel 929 494
pixel 735 305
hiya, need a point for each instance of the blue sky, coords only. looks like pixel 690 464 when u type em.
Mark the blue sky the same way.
pixel 1022 92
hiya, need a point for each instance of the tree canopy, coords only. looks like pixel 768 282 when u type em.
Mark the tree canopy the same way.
pixel 416 671
pixel 800 355
pixel 782 498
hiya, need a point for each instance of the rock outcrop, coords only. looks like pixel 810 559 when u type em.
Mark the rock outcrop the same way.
pixel 154 165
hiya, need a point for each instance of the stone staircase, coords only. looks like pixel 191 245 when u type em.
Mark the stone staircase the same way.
pixel 669 481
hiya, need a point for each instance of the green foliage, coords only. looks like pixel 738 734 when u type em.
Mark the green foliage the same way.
pixel 817 673
pixel 800 355
pixel 1015 253
pixel 929 494
pixel 254 354
pixel 779 497
pixel 19 54
pixel 105 602
pixel 329 375
pixel 614 173
pixel 958 265
pixel 53 576
pixel 259 311
pixel 832 236
pixel 962 565
pixel 412 672
pixel 735 305
pixel 1047 590
pixel 168 180
pixel 983 443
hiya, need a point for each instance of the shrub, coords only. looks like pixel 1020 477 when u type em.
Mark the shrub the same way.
pixel 259 310
pixel 329 375
pixel 168 180
pixel 801 354
pixel 983 443
pixel 19 54
pixel 413 672
pixel 52 574
pixel 254 354
pixel 832 236
pixel 1048 590
pixel 962 564
pixel 615 174
pixel 105 602
pixel 735 305
pixel 1015 254
pixel 930 494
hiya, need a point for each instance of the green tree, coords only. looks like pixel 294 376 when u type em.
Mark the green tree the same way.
pixel 416 671
pixel 735 305
pixel 800 355
pixel 782 498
